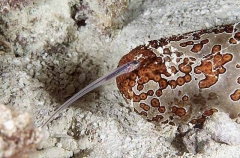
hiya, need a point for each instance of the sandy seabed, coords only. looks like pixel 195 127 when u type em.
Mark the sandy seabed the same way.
pixel 52 49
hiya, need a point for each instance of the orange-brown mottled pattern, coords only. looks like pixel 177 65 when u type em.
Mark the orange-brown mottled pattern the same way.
pixel 185 78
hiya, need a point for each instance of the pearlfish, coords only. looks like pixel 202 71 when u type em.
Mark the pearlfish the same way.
pixel 185 78
pixel 125 68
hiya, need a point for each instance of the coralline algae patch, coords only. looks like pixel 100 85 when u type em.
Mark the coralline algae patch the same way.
pixel 185 78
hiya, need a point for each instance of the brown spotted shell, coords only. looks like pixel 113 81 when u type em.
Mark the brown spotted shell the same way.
pixel 185 78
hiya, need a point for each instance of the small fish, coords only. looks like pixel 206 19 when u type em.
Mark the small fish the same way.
pixel 125 68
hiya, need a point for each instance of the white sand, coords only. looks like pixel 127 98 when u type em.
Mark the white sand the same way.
pixel 55 60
